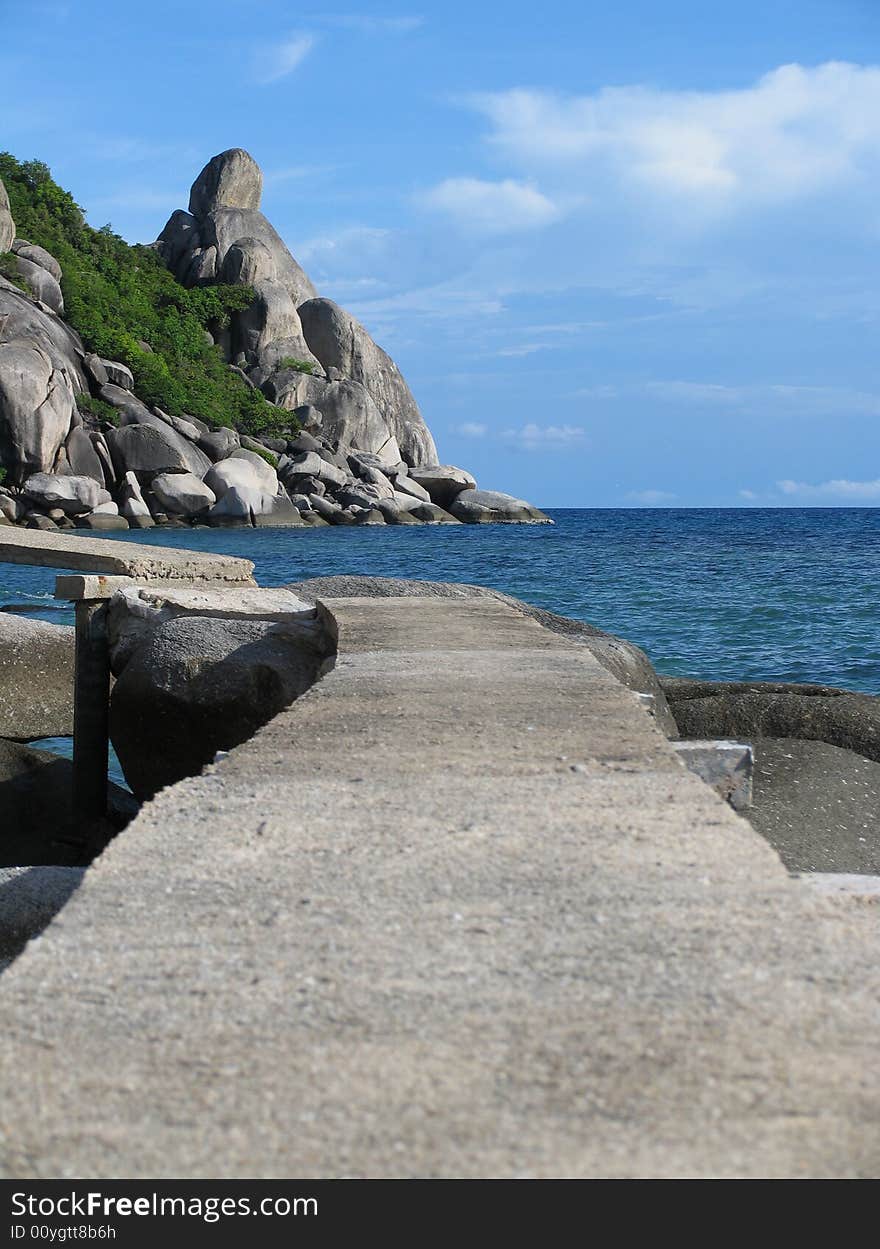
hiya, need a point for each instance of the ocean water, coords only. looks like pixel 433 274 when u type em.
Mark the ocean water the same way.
pixel 738 594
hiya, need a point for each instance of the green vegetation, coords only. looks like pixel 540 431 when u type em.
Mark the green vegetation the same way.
pixel 291 362
pixel 9 271
pixel 116 295
pixel 98 408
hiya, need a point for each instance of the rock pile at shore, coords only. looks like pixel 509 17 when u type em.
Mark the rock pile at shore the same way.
pixel 357 451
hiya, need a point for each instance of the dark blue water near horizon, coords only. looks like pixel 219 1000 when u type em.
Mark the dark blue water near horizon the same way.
pixel 726 594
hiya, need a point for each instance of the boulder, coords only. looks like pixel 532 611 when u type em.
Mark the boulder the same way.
pixel 224 227
pixel 405 484
pixel 39 826
pixel 182 455
pixel 178 239
pixel 37 255
pixel 340 341
pixel 232 179
pixel 247 262
pixel 22 319
pixel 12 508
pixel 622 659
pixel 395 514
pixel 183 427
pixel 148 450
pixel 482 507
pixel 218 444
pixel 348 413
pixel 442 482
pixel 370 516
pixel 94 367
pixel 101 520
pixel 817 805
pixel 118 374
pixel 36 408
pixel 7 225
pixel 324 507
pixel 82 456
pixel 310 464
pixel 36 679
pixel 130 499
pixel 74 495
pixel 40 283
pixel 265 473
pixel 758 709
pixel 431 514
pixel 200 685
pixel 182 494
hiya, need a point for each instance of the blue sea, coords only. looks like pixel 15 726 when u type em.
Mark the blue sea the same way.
pixel 775 594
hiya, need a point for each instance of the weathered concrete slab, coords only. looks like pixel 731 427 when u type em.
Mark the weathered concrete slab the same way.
pixel 127 559
pixel 459 911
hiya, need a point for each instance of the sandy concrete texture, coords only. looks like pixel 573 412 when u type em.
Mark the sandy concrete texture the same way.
pixel 459 911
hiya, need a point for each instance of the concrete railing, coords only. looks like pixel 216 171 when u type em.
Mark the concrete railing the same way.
pixel 105 566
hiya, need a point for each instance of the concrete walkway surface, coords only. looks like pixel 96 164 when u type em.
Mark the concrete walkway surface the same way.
pixel 459 911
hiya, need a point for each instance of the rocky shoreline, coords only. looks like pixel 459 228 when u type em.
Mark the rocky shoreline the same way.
pixel 80 449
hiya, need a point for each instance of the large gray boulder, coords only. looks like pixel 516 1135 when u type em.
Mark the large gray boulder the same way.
pixel 484 507
pixel 179 239
pixel 36 679
pixel 269 330
pixel 41 284
pixel 232 179
pixel 341 342
pixel 622 659
pixel 83 457
pixel 443 482
pixel 36 407
pixel 22 318
pixel 37 255
pixel 182 494
pixel 198 686
pixel 145 450
pixel 73 495
pixel 7 225
pixel 219 444
pixel 758 709
pixel 347 412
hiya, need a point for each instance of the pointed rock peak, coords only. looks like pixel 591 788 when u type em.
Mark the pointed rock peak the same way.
pixel 231 180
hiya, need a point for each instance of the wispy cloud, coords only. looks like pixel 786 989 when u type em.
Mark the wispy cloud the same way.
pixel 470 429
pixel 650 498
pixel 779 397
pixel 793 131
pixel 276 62
pixel 370 24
pixel 837 489
pixel 533 437
pixel 490 207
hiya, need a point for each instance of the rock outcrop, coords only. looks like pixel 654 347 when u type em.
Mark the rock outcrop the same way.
pixel 191 685
pixel 357 452
pixel 36 678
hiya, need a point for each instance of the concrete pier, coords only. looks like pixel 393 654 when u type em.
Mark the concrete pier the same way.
pixel 459 911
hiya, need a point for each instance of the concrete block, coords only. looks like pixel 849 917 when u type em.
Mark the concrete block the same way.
pixel 726 766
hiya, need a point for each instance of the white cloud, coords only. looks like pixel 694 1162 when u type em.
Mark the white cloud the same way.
pixel 490 207
pixel 796 130
pixel 839 488
pixel 372 25
pixel 470 429
pixel 282 59
pixel 650 498
pixel 749 495
pixel 775 397
pixel 532 437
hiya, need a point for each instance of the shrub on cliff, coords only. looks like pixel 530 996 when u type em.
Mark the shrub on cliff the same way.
pixel 119 297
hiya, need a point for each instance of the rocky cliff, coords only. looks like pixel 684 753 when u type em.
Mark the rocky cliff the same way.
pixel 83 441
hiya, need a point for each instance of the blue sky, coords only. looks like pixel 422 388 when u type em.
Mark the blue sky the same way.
pixel 625 254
